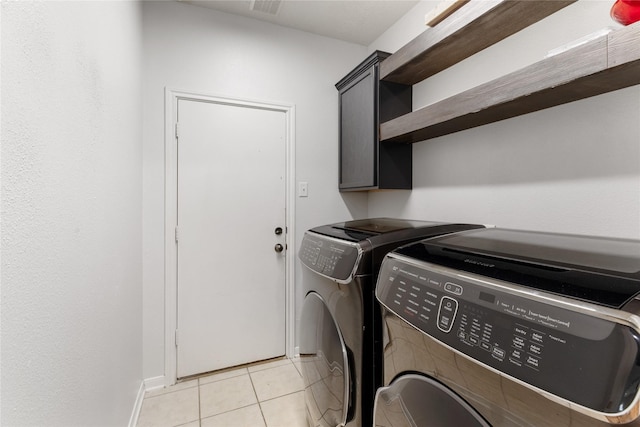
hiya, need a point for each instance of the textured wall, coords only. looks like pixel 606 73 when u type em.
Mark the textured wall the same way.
pixel 574 168
pixel 71 213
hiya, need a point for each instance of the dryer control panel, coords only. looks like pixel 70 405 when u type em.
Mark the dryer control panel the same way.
pixel 332 258
pixel 587 359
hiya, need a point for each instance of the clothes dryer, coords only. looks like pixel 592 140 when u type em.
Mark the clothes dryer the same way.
pixel 340 338
pixel 501 327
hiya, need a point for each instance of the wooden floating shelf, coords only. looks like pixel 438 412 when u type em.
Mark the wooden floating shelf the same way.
pixel 476 26
pixel 607 63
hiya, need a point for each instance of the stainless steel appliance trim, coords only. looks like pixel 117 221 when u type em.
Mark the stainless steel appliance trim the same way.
pixel 342 242
pixel 631 413
pixel 345 357
pixel 424 378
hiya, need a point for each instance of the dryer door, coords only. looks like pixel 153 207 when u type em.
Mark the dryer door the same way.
pixel 325 364
pixel 414 400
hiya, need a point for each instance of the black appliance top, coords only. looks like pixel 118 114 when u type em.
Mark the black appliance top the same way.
pixel 603 271
pixel 381 230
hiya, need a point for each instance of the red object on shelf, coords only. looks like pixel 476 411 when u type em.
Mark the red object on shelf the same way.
pixel 626 11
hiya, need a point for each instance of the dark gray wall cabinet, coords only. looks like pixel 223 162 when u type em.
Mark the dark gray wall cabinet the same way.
pixel 365 102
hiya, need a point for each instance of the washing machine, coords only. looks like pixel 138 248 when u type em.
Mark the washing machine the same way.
pixel 339 334
pixel 498 327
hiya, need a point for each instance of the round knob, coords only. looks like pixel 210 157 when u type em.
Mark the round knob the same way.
pixel 278 231
pixel 279 248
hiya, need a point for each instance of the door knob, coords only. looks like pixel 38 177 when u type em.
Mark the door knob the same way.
pixel 279 248
pixel 278 231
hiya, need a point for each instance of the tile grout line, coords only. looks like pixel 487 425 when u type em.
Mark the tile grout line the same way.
pixel 284 395
pixel 199 406
pixel 230 410
pixel 257 399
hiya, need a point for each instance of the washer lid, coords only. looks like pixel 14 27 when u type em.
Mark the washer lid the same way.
pixel 383 225
pixel 600 270
pixel 362 229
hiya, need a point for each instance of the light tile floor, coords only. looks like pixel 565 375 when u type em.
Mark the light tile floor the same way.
pixel 266 394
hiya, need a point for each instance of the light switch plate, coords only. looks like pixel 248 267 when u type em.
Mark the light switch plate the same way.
pixel 303 189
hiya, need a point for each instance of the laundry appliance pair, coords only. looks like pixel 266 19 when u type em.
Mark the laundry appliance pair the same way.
pixel 470 326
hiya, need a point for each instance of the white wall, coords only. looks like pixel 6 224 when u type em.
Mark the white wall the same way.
pixel 573 168
pixel 200 50
pixel 71 213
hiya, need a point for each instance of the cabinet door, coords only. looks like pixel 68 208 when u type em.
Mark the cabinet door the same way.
pixel 358 132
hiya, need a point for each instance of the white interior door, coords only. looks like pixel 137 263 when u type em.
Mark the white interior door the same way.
pixel 231 199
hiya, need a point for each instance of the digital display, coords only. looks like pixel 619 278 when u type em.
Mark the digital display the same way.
pixel 490 298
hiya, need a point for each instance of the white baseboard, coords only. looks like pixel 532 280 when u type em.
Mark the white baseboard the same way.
pixel 154 383
pixel 145 385
pixel 133 420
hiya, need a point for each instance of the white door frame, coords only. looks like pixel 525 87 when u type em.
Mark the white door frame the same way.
pixel 172 97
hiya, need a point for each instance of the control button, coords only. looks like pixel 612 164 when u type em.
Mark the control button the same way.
pixel 485 346
pixel 444 323
pixel 518 342
pixel 473 340
pixel 537 336
pixel 431 303
pixel 453 288
pixel 515 357
pixel 535 349
pixel 533 362
pixel 462 334
pixel 498 353
pixel 447 314
pixel 521 330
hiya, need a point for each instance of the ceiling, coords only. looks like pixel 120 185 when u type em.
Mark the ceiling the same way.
pixel 355 21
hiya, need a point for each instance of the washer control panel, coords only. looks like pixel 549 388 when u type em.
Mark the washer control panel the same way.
pixel 329 257
pixel 582 358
